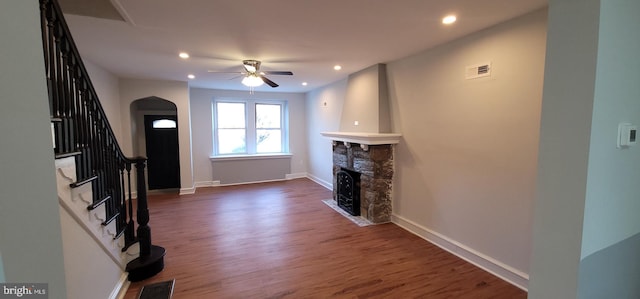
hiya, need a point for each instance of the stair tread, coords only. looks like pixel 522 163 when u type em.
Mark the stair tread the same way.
pixel 67 154
pixel 94 205
pixel 114 217
pixel 84 181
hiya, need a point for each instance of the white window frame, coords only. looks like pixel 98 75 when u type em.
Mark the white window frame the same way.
pixel 250 126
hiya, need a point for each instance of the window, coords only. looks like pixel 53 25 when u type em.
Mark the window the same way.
pixel 249 127
pixel 164 124
pixel 268 128
pixel 232 129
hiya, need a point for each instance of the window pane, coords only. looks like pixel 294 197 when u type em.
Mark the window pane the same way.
pixel 268 141
pixel 232 141
pixel 230 115
pixel 164 124
pixel 268 116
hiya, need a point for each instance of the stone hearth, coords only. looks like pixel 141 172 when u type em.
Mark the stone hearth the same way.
pixel 375 165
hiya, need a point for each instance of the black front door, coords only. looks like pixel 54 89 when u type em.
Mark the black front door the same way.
pixel 161 135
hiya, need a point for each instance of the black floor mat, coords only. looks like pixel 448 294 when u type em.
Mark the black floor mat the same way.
pixel 159 290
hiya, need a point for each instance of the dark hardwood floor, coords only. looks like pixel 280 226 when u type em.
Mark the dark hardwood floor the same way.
pixel 278 240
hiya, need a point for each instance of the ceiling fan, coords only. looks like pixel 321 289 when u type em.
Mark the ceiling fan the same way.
pixel 253 77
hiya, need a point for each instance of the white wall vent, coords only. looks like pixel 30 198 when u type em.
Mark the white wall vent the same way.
pixel 478 70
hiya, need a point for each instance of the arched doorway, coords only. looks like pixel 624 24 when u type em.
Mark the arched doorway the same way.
pixel 155 136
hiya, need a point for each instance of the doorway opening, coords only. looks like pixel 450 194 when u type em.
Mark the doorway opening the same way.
pixel 155 136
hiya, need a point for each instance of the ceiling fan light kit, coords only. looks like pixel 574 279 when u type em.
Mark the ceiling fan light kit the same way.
pixel 252 80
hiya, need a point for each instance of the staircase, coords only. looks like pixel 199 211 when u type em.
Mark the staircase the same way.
pixel 93 171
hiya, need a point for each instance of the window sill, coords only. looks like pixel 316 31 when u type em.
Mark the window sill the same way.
pixel 250 157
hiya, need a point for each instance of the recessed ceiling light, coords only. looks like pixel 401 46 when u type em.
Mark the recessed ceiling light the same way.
pixel 450 19
pixel 337 67
pixel 184 55
pixel 191 76
pixel 304 83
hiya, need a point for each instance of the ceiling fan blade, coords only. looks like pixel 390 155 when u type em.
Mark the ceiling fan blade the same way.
pixel 269 82
pixel 288 73
pixel 221 72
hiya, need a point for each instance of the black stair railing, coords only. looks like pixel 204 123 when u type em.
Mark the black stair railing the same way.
pixel 82 130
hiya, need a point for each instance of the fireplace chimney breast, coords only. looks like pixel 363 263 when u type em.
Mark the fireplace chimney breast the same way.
pixel 366 104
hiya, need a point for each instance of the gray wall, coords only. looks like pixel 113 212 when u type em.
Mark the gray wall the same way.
pixel 610 263
pixel 253 169
pixel 202 124
pixel 613 183
pixel 323 114
pixel 613 272
pixel 367 102
pixel 466 163
pixel 107 87
pixel 563 149
pixel 586 225
pixel 30 235
pixel 176 92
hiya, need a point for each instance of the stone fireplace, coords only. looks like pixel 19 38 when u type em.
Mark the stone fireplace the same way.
pixel 371 156
pixel 364 143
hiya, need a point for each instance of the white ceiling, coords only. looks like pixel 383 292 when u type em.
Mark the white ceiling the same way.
pixel 307 37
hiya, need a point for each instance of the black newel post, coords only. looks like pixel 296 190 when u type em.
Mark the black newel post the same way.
pixel 151 260
pixel 129 234
pixel 144 231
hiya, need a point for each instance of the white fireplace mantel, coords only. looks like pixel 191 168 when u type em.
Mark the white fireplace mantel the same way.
pixel 364 138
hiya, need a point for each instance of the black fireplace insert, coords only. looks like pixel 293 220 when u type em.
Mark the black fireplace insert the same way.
pixel 349 191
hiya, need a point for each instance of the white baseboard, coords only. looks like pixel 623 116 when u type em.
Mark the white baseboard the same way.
pixel 248 183
pixel 298 175
pixel 121 287
pixel 320 181
pixel 206 184
pixel 287 177
pixel 185 191
pixel 497 268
